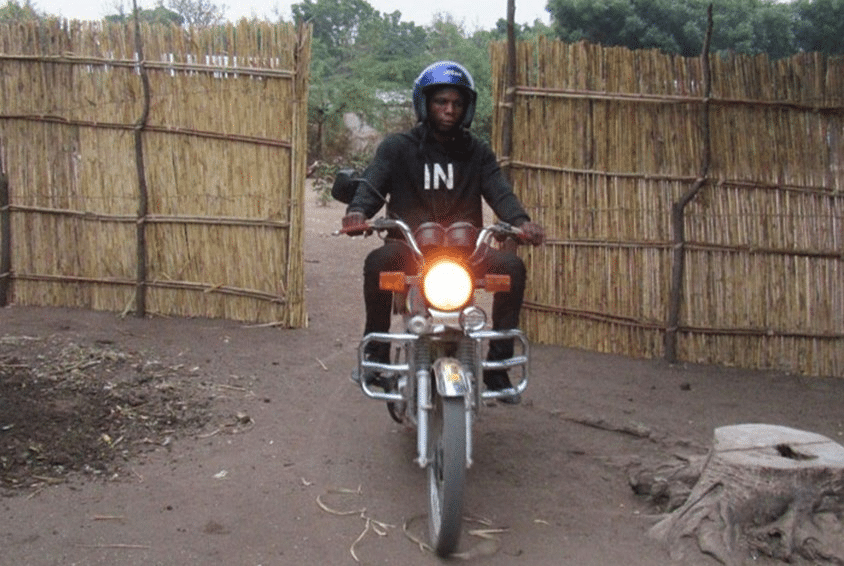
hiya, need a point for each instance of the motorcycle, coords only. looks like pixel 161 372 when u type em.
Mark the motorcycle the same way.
pixel 433 381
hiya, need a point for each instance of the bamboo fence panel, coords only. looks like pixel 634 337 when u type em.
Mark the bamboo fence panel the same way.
pixel 223 147
pixel 607 140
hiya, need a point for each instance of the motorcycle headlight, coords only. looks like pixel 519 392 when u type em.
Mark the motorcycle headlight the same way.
pixel 447 285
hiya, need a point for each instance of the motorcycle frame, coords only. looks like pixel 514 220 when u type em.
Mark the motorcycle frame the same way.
pixel 417 383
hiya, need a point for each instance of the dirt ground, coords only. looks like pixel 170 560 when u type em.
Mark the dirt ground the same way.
pixel 172 442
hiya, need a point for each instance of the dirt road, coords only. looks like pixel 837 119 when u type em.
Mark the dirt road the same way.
pixel 289 443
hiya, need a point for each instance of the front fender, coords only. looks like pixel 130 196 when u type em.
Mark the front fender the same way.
pixel 451 378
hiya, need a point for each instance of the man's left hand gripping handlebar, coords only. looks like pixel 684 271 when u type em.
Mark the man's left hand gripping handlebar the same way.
pixel 533 233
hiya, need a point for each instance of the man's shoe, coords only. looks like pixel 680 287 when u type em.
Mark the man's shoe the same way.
pixel 388 384
pixel 373 377
pixel 511 400
pixel 498 380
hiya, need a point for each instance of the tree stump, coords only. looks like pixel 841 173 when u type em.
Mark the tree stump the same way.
pixel 764 490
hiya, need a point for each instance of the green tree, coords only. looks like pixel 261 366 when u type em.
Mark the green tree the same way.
pixel 637 24
pixel 158 15
pixel 601 21
pixel 15 12
pixel 336 23
pixel 752 27
pixel 198 13
pixel 819 26
pixel 334 89
pixel 745 26
pixel 773 30
pixel 392 51
pixel 359 57
pixel 523 32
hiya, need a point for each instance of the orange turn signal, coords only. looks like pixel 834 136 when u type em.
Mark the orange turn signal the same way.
pixel 395 281
pixel 496 283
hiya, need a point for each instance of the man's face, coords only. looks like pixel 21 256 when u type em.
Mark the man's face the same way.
pixel 445 109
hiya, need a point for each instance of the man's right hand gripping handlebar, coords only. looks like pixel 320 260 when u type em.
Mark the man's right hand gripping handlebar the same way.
pixel 354 224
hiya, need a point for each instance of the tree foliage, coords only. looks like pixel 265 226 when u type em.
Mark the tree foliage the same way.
pixel 745 26
pixel 192 13
pixel 819 25
pixel 198 13
pixel 16 12
pixel 158 15
pixel 337 24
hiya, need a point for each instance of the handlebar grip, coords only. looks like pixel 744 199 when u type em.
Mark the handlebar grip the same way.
pixel 355 230
pixel 516 234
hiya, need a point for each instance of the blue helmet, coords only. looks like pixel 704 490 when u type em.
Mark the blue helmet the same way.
pixel 442 74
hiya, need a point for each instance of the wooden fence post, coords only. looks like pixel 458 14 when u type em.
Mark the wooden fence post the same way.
pixel 509 107
pixel 509 94
pixel 143 200
pixel 678 210
pixel 5 237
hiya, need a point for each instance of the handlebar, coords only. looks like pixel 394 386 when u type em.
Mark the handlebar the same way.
pixel 502 229
pixel 485 236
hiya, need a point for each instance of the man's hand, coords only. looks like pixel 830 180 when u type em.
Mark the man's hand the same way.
pixel 534 233
pixel 354 224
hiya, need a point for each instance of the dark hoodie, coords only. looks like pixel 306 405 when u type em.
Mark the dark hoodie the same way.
pixel 426 181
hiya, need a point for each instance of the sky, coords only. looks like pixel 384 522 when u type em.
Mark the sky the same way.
pixel 472 14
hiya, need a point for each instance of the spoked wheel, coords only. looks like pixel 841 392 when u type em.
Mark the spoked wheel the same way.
pixel 446 473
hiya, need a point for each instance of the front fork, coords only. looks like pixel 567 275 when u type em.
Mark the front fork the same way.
pixel 453 377
pixel 424 405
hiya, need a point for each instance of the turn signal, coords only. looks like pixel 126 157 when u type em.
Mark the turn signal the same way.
pixel 392 281
pixel 497 283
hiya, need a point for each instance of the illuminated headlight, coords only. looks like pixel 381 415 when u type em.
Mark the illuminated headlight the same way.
pixel 472 319
pixel 447 285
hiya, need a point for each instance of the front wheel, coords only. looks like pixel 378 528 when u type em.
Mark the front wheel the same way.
pixel 446 473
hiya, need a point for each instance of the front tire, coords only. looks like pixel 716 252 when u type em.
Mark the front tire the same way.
pixel 446 473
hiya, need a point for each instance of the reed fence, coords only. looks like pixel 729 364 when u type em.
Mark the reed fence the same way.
pixel 155 169
pixel 694 205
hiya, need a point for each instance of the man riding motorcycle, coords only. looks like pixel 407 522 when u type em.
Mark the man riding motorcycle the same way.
pixel 438 171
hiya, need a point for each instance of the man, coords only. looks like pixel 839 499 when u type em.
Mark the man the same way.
pixel 439 172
